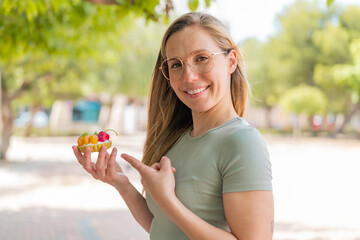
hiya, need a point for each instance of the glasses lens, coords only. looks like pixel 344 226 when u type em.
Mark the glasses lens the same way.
pixel 201 62
pixel 172 68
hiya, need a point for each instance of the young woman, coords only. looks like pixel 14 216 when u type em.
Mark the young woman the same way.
pixel 205 170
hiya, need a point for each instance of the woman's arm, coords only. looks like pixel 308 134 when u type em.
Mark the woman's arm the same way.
pixel 107 170
pixel 137 205
pixel 249 214
pixel 191 224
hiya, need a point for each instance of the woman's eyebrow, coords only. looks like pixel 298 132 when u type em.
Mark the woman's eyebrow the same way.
pixel 195 51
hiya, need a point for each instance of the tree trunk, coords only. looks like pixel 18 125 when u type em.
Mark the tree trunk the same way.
pixel 347 119
pixel 8 122
pixel 29 125
pixel 6 111
pixel 268 122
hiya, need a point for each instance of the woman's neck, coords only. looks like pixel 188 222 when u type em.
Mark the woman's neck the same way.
pixel 204 121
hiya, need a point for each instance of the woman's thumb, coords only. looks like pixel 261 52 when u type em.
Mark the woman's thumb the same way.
pixel 166 163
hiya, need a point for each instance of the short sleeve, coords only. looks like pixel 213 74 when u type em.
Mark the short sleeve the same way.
pixel 244 162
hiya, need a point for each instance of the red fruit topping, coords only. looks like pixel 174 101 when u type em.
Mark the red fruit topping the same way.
pixel 103 136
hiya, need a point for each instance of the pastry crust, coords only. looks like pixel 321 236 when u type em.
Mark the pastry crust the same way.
pixel 96 147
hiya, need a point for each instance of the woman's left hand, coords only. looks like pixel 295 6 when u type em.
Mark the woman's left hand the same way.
pixel 158 180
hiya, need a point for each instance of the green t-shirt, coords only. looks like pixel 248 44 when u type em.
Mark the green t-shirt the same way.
pixel 229 158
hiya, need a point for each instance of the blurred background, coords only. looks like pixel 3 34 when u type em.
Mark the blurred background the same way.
pixel 74 66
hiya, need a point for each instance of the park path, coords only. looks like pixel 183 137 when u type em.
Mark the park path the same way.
pixel 45 194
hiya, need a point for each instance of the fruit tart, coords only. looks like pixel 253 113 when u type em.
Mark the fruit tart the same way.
pixel 95 141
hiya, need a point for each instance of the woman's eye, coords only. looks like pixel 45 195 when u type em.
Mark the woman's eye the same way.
pixel 202 58
pixel 176 65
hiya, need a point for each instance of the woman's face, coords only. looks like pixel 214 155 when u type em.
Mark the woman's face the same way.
pixel 201 92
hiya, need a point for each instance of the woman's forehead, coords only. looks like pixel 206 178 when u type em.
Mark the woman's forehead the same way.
pixel 189 40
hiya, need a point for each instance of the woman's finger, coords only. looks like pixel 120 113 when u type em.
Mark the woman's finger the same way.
pixel 101 163
pixel 78 155
pixel 157 166
pixel 88 165
pixel 112 162
pixel 139 166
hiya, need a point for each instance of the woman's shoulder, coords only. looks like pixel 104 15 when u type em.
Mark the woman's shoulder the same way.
pixel 240 137
pixel 240 130
pixel 244 160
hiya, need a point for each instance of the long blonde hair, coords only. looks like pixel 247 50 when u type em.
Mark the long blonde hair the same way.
pixel 168 117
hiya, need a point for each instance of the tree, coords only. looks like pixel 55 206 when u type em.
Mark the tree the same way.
pixel 287 58
pixel 335 42
pixel 306 100
pixel 310 40
pixel 262 75
pixel 59 48
pixel 40 49
pixel 348 75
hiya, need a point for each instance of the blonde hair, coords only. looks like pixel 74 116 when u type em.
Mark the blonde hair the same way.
pixel 168 117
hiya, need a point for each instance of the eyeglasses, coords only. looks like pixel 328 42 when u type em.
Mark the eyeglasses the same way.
pixel 200 61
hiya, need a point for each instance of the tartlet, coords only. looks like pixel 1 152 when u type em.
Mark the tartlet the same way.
pixel 95 141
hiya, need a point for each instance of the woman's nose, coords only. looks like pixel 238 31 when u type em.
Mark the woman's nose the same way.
pixel 189 74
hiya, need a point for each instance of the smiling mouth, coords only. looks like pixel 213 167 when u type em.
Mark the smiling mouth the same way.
pixel 197 91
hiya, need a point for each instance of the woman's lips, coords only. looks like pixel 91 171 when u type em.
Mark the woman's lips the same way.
pixel 197 91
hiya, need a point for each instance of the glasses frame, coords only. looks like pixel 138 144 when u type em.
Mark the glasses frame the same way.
pixel 164 65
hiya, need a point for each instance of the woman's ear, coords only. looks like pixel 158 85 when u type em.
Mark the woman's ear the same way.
pixel 232 61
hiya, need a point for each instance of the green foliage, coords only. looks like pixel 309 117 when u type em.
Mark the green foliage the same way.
pixel 304 99
pixel 69 48
pixel 64 49
pixel 295 52
pixel 78 41
pixel 333 44
pixel 74 43
pixel 329 2
pixel 261 73
pixel 193 5
pixel 313 47
pixel 50 51
pixel 337 96
pixel 349 19
pixel 128 71
pixel 349 74
pixel 288 58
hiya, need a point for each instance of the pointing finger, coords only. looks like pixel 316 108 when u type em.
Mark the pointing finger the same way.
pixel 139 166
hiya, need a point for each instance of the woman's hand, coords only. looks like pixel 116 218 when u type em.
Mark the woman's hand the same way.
pixel 108 170
pixel 158 180
pixel 105 169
